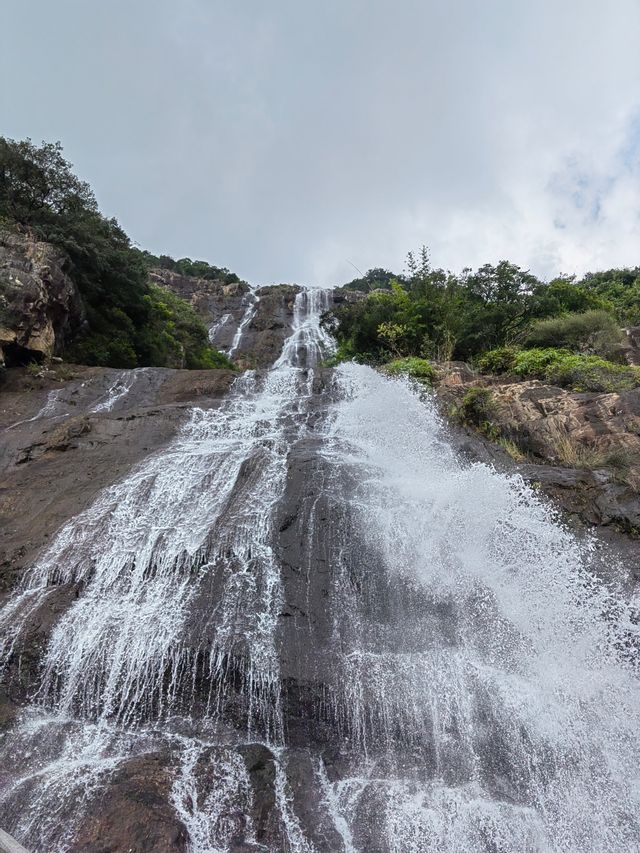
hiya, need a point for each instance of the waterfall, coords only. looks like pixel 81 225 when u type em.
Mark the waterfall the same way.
pixel 330 633
pixel 251 306
pixel 215 328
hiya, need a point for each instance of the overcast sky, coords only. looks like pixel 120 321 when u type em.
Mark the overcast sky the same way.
pixel 285 138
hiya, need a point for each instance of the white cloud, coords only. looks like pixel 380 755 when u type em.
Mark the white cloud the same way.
pixel 286 139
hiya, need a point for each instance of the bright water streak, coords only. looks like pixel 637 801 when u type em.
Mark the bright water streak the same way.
pixel 145 558
pixel 529 718
pixel 251 307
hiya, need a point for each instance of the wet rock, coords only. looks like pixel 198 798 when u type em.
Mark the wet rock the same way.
pixel 196 386
pixel 260 763
pixel 40 307
pixel 262 342
pixel 134 814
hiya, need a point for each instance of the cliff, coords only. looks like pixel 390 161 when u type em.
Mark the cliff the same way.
pixel 40 307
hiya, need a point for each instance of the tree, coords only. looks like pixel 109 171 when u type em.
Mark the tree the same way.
pixel 37 185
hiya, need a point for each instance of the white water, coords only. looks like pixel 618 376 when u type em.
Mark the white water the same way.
pixel 530 717
pixel 475 694
pixel 251 300
pixel 191 519
pixel 51 409
pixel 118 389
pixel 215 328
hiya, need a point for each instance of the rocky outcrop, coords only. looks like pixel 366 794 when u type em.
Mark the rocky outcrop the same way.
pixel 341 296
pixel 265 314
pixel 581 448
pixel 262 341
pixel 40 308
pixel 220 305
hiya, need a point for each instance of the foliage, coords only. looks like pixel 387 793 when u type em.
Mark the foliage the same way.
pixel 575 371
pixel 592 373
pixel 595 332
pixel 484 315
pixel 564 295
pixel 477 408
pixel 127 323
pixel 375 279
pixel 176 334
pixel 416 368
pixel 187 267
pixel 619 290
pixel 435 314
pixel 499 360
pixel 537 362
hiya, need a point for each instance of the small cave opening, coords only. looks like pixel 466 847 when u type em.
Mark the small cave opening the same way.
pixel 17 356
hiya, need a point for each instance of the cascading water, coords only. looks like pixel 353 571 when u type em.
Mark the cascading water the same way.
pixel 251 305
pixel 335 634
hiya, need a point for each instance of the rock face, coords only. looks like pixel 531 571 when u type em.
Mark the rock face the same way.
pixel 582 448
pixel 632 349
pixel 221 306
pixel 249 325
pixel 40 307
pixel 271 318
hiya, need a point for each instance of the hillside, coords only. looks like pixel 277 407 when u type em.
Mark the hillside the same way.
pixel 72 284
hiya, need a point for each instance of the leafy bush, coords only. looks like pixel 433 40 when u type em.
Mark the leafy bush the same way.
pixel 595 332
pixel 499 360
pixel 577 372
pixel 416 368
pixel 477 407
pixel 536 362
pixel 592 373
pixel 175 335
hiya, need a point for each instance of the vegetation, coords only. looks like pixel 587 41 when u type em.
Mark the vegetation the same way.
pixel 187 267
pixel 375 279
pixel 416 368
pixel 595 332
pixel 129 321
pixel 477 408
pixel 576 371
pixel 501 318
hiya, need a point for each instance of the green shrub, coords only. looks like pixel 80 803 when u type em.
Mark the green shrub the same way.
pixel 500 360
pixel 594 332
pixel 592 373
pixel 574 371
pixel 416 368
pixel 536 362
pixel 477 408
pixel 175 335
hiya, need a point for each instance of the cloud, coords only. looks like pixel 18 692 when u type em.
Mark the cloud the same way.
pixel 285 139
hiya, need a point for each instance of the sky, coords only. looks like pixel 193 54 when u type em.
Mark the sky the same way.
pixel 291 140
